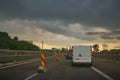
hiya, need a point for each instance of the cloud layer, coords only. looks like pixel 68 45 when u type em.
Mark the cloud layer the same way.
pixel 87 12
pixel 61 22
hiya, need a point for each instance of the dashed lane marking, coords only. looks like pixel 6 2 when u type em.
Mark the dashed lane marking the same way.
pixel 31 76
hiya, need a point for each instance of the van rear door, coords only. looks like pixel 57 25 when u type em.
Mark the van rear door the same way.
pixel 81 55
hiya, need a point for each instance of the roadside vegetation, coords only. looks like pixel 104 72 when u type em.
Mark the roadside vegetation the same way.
pixel 109 55
pixel 6 42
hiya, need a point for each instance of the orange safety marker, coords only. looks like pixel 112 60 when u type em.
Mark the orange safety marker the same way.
pixel 63 54
pixel 42 67
pixel 42 62
pixel 57 56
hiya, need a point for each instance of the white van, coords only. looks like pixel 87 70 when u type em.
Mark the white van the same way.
pixel 82 55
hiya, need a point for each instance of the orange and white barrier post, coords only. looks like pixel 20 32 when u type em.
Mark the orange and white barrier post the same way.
pixel 42 67
pixel 57 56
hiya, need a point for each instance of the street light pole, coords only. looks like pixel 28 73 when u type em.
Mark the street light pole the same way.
pixel 42 45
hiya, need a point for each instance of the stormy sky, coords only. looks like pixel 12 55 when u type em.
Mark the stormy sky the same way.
pixel 62 22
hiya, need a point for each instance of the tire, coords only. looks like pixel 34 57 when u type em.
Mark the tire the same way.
pixel 90 64
pixel 73 63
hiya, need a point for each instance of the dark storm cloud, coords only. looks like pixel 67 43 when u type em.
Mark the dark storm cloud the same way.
pixel 114 34
pixel 87 12
pixel 106 36
pixel 118 37
pixel 95 33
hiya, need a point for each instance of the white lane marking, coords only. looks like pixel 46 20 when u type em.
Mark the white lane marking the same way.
pixel 17 64
pixel 103 74
pixel 31 76
pixel 22 63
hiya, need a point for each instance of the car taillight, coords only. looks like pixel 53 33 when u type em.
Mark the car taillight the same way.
pixel 91 50
pixel 72 51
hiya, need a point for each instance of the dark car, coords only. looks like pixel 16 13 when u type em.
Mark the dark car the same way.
pixel 68 56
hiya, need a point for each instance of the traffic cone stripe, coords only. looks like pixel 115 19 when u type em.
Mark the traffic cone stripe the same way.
pixel 43 56
pixel 43 60
pixel 42 64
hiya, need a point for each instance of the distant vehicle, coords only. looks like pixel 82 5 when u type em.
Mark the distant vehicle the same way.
pixel 82 55
pixel 68 55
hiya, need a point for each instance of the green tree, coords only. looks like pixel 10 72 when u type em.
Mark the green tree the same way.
pixel 96 48
pixel 14 44
pixel 5 40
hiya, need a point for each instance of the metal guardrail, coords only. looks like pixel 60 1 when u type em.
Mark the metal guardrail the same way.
pixel 108 56
pixel 17 55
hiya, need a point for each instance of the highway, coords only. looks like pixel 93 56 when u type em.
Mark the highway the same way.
pixel 62 70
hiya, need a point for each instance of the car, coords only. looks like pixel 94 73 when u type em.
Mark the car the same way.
pixel 68 55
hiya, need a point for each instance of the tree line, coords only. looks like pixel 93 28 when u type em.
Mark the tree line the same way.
pixel 6 42
pixel 111 51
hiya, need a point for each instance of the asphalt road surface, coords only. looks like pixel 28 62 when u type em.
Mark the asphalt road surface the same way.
pixel 62 70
